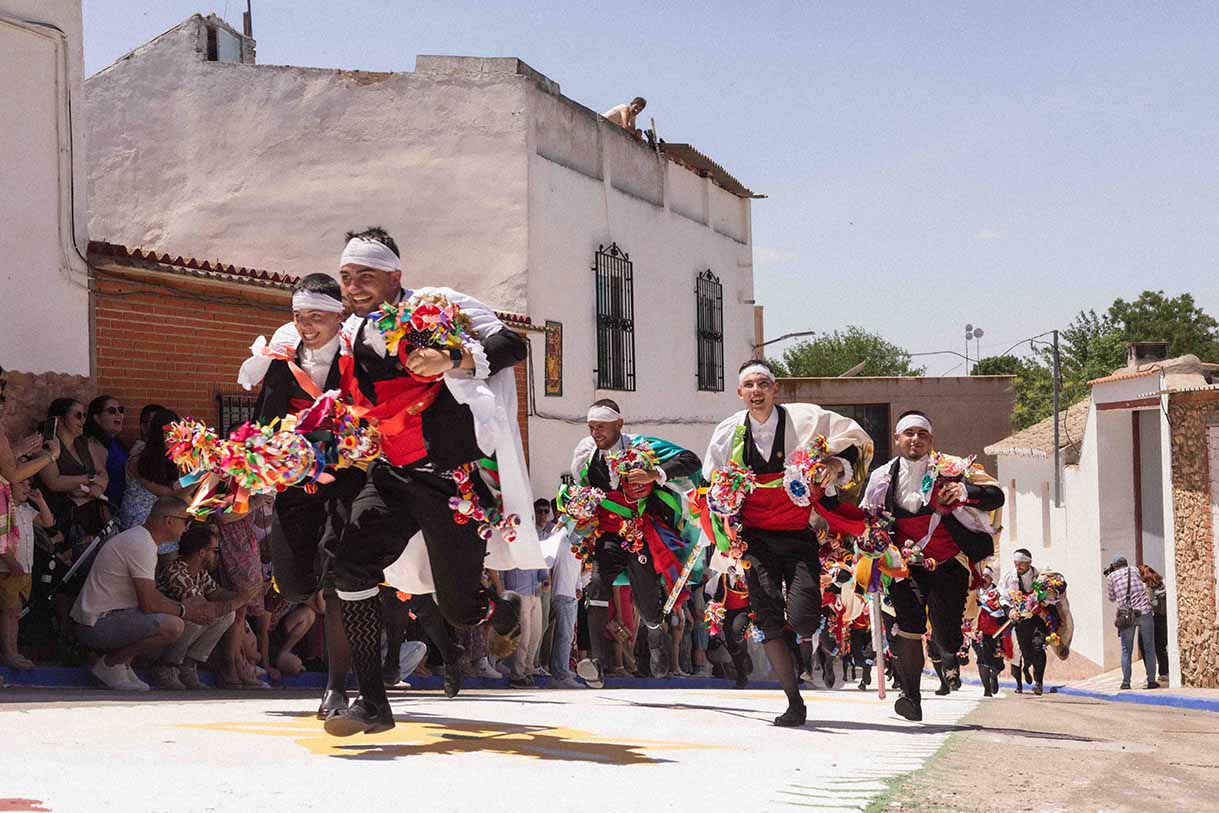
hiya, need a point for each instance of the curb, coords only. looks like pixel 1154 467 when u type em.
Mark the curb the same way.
pixel 1149 697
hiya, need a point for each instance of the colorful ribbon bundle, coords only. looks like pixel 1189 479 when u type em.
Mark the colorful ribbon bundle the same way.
pixel 945 467
pixel 878 557
pixel 579 504
pixel 714 617
pixel 422 320
pixel 269 458
pixel 804 467
pixel 638 455
pixel 729 487
pixel 467 507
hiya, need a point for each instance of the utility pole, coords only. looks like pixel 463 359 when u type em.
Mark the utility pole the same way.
pixel 1057 447
pixel 247 20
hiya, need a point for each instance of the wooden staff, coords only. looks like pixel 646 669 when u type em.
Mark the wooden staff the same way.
pixel 695 552
pixel 878 643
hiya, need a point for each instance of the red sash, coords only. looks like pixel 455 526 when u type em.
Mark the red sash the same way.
pixel 941 547
pixel 398 411
pixel 770 509
pixel 736 599
pixel 989 624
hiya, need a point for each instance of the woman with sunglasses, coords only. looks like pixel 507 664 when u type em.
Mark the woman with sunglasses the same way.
pixel 75 484
pixel 103 423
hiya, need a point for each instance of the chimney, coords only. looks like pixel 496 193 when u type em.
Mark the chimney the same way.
pixel 1139 354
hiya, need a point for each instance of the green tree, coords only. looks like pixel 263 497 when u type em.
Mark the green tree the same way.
pixel 1094 345
pixel 832 354
pixel 1179 321
pixel 1034 386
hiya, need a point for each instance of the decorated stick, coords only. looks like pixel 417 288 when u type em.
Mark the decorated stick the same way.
pixel 696 551
pixel 878 644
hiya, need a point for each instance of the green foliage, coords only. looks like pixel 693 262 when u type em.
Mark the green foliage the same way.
pixel 832 354
pixel 1094 345
pixel 1034 386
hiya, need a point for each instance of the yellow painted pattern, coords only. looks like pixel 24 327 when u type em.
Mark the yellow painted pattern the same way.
pixel 417 737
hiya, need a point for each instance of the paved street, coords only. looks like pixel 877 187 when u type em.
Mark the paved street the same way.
pixel 501 750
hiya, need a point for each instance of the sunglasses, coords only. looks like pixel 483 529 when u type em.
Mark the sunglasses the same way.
pixel 114 410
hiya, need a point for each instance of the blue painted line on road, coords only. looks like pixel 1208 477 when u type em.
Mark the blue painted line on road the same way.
pixel 1145 697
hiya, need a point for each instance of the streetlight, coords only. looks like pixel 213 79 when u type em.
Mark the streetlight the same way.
pixel 975 333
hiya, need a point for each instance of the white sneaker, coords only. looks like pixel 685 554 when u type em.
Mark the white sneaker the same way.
pixel 136 684
pixel 538 671
pixel 483 670
pixel 567 682
pixel 112 677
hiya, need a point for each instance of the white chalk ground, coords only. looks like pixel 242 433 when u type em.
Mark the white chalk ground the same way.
pixel 629 750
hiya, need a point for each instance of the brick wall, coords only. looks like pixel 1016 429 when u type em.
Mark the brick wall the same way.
pixel 177 342
pixel 1191 416
pixel 29 394
pixel 171 340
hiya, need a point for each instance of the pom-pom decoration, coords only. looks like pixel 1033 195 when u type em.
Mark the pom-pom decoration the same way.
pixel 729 487
pixel 467 508
pixel 714 617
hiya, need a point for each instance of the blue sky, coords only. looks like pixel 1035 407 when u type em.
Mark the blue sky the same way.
pixel 927 165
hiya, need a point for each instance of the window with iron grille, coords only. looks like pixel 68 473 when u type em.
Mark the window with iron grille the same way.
pixel 234 409
pixel 615 318
pixel 709 307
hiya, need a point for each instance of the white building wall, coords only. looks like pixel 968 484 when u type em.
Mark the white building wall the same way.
pixel 42 174
pixel 268 166
pixel 571 213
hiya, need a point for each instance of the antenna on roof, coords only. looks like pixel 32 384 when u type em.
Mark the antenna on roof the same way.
pixel 247 20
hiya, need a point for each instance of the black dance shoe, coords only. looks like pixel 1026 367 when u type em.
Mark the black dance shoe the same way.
pixel 332 700
pixel 360 718
pixel 794 717
pixel 910 709
pixel 452 679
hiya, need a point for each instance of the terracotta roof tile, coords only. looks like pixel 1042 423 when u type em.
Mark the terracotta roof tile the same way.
pixel 249 276
pixel 1038 439
pixel 1122 375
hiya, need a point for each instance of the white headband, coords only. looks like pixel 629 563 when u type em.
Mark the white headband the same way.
pixel 603 414
pixel 371 254
pixel 916 421
pixel 754 369
pixel 1021 557
pixel 311 301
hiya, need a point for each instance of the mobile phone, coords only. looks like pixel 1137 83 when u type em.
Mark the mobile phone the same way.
pixel 50 428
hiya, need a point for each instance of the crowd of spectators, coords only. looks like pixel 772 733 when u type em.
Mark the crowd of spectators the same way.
pixel 102 566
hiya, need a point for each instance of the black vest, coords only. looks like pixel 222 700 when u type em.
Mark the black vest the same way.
pixel 754 460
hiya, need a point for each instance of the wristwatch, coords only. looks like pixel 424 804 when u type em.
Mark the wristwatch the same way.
pixel 455 356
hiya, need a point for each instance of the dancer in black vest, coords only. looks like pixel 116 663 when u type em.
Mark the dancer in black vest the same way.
pixel 782 560
pixel 300 363
pixel 428 441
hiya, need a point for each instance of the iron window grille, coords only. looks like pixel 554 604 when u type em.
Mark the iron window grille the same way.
pixel 709 307
pixel 615 318
pixel 234 409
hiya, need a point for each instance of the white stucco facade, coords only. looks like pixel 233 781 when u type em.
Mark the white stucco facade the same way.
pixel 491 180
pixel 43 208
pixel 1097 520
